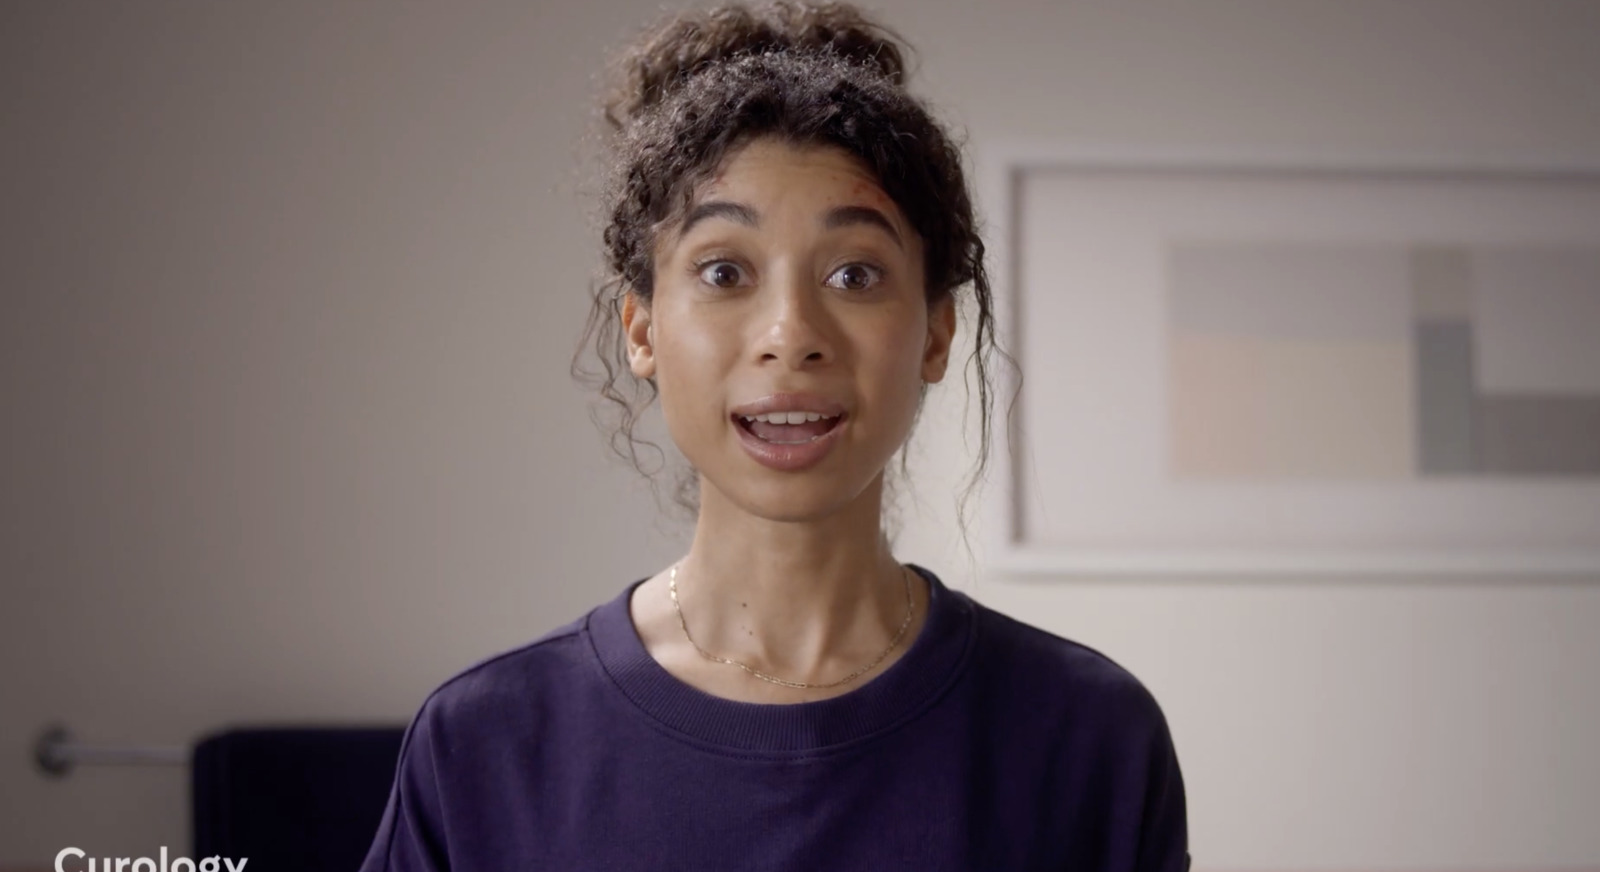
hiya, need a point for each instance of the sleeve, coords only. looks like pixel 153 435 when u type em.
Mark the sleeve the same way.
pixel 411 833
pixel 1164 830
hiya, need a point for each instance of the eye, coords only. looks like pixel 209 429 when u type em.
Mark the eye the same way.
pixel 855 277
pixel 720 273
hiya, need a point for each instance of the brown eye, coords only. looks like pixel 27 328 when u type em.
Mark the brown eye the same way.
pixel 855 277
pixel 721 273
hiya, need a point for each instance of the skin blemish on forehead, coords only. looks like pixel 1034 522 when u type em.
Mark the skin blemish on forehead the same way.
pixel 869 190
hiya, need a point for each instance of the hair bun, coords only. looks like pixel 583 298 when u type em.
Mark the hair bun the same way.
pixel 667 55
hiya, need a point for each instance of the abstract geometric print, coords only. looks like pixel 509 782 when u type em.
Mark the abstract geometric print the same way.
pixel 1362 361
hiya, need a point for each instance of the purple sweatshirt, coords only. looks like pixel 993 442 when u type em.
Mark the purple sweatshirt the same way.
pixel 989 746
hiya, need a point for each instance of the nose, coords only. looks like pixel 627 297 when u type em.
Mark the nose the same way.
pixel 795 327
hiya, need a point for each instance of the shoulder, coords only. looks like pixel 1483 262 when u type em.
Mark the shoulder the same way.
pixel 513 679
pixel 1046 672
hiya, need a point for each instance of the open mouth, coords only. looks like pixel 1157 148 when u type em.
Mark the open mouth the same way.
pixel 789 428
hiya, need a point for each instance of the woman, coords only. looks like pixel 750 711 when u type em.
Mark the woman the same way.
pixel 788 232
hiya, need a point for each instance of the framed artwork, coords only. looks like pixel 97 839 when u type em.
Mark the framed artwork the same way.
pixel 1265 365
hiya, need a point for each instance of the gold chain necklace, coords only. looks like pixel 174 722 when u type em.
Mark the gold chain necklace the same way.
pixel 672 586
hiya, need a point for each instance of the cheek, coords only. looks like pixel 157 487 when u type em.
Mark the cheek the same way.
pixel 690 369
pixel 894 357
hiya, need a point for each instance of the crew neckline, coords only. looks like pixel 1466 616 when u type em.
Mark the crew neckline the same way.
pixel 896 694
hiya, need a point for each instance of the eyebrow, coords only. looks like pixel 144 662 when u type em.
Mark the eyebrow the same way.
pixel 838 216
pixel 844 216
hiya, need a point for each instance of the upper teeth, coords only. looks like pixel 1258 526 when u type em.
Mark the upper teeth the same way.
pixel 788 417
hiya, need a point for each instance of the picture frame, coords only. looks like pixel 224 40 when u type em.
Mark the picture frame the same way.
pixel 1175 383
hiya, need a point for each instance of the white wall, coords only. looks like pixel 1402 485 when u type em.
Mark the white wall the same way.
pixel 290 291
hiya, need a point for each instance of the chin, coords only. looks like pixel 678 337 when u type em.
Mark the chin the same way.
pixel 792 498
pixel 793 502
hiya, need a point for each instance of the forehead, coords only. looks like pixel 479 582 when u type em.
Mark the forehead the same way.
pixel 770 169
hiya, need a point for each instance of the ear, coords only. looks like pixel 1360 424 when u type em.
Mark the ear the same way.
pixel 941 332
pixel 637 334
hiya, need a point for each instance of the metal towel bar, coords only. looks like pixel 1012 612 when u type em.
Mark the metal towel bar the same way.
pixel 56 753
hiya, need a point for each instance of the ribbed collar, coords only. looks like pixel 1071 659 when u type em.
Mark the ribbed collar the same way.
pixel 908 686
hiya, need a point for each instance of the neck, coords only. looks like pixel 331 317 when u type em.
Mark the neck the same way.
pixel 808 600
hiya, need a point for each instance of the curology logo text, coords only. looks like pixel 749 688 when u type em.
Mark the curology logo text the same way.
pixel 74 860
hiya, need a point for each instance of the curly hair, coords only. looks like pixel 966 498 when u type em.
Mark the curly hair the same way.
pixel 695 89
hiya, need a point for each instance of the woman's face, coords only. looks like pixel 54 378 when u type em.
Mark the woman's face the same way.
pixel 793 285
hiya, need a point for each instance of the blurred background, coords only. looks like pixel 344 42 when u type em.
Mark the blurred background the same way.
pixel 290 292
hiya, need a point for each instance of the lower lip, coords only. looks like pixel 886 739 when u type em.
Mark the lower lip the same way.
pixel 789 458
